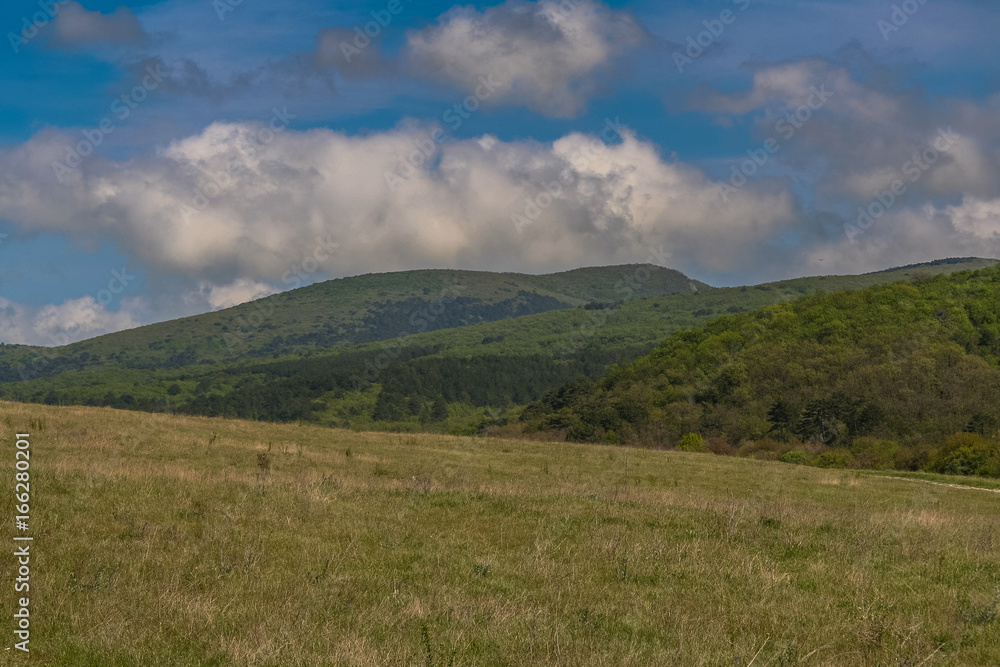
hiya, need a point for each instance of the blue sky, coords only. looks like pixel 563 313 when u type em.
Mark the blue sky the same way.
pixel 235 150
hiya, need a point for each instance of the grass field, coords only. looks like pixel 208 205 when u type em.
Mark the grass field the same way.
pixel 164 540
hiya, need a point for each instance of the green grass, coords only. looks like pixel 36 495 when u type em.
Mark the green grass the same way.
pixel 162 540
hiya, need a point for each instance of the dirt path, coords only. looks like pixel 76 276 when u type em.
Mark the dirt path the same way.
pixel 927 481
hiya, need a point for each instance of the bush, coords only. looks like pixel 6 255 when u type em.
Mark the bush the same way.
pixel 692 442
pixel 796 456
pixel 720 446
pixel 833 459
pixel 766 449
pixel 875 454
pixel 967 454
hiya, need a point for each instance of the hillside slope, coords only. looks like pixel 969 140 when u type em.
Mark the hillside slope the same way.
pixel 476 369
pixel 348 311
pixel 909 363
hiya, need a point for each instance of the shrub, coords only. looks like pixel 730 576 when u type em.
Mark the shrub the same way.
pixel 264 463
pixel 720 446
pixel 766 449
pixel 796 456
pixel 967 454
pixel 833 459
pixel 874 453
pixel 692 442
pixel 914 457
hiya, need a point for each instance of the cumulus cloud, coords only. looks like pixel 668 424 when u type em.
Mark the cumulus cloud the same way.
pixel 979 219
pixel 239 291
pixel 74 25
pixel 547 55
pixel 894 176
pixel 240 202
pixel 909 235
pixel 71 321
pixel 867 133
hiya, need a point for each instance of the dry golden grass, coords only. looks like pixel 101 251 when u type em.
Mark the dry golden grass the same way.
pixel 164 540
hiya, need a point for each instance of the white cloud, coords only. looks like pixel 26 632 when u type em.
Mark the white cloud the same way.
pixel 234 203
pixel 235 293
pixel 869 132
pixel 68 322
pixel 546 55
pixel 912 235
pixel 979 218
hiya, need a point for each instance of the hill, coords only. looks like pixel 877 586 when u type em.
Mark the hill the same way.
pixel 347 311
pixel 885 371
pixel 458 379
pixel 190 541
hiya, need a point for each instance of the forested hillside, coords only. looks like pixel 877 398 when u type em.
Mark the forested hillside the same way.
pixel 461 379
pixel 343 312
pixel 885 373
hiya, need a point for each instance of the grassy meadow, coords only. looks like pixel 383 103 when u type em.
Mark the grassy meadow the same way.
pixel 167 540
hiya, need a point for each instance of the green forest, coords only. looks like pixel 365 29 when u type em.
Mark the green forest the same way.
pixel 902 375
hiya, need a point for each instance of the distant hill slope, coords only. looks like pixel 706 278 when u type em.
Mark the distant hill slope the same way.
pixel 911 363
pixel 643 322
pixel 353 310
pixel 443 380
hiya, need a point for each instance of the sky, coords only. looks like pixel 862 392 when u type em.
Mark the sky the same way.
pixel 166 158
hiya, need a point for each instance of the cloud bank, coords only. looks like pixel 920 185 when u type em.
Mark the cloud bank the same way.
pixel 240 209
pixel 548 55
pixel 71 321
pixel 903 178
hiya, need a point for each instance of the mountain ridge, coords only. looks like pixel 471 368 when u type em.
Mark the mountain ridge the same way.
pixel 358 385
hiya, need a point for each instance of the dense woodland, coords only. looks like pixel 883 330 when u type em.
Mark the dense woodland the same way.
pixel 879 377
